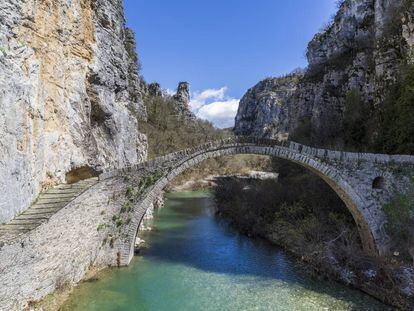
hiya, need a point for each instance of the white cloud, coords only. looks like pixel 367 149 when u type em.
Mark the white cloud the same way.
pixel 221 113
pixel 215 106
pixel 199 99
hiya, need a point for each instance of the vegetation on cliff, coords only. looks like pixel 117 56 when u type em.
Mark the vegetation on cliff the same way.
pixel 387 128
pixel 395 129
pixel 167 132
pixel 400 225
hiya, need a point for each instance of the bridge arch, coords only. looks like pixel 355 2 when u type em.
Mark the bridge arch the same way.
pixel 362 210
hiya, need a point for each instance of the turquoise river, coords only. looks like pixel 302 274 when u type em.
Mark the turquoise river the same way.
pixel 194 261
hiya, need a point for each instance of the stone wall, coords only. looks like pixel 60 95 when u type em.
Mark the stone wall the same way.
pixel 62 250
pixel 68 95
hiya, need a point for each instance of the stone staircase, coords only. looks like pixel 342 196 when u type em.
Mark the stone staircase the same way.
pixel 47 204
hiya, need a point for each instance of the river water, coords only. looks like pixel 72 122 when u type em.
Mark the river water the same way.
pixel 194 261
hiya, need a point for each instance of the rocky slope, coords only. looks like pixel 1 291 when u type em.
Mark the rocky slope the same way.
pixel 69 95
pixel 361 51
pixel 264 110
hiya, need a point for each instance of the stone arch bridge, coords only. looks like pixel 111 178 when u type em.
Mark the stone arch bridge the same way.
pixel 365 182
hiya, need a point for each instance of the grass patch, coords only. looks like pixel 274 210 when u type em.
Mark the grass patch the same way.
pixel 100 227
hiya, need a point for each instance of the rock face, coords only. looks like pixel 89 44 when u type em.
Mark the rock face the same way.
pixel 154 89
pixel 69 94
pixel 182 99
pixel 361 51
pixel 263 111
pixel 183 94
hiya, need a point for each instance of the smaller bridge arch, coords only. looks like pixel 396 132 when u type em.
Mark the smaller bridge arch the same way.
pixel 350 175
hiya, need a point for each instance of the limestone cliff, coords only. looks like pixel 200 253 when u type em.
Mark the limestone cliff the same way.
pixel 180 101
pixel 182 98
pixel 263 111
pixel 69 94
pixel 361 51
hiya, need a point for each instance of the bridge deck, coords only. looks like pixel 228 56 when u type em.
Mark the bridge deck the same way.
pixel 47 204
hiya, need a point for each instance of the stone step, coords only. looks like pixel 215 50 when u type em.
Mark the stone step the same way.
pixel 43 213
pixel 40 211
pixel 33 216
pixel 75 186
pixel 58 195
pixel 12 233
pixel 55 197
pixel 45 207
pixel 27 221
pixel 46 202
pixel 10 228
pixel 18 227
pixel 48 205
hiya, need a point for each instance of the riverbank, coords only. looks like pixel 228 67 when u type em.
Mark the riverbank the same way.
pixel 325 238
pixel 210 181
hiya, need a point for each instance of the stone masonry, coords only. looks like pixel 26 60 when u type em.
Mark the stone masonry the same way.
pixel 75 239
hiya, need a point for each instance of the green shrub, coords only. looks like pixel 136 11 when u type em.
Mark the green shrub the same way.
pixel 147 182
pixel 400 221
pixel 355 121
pixel 396 130
pixel 302 133
pixel 130 192
pixel 126 207
pixel 168 132
pixel 100 227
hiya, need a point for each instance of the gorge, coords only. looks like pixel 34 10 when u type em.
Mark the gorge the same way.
pixel 88 147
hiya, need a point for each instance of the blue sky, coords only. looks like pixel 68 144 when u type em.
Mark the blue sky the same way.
pixel 223 47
